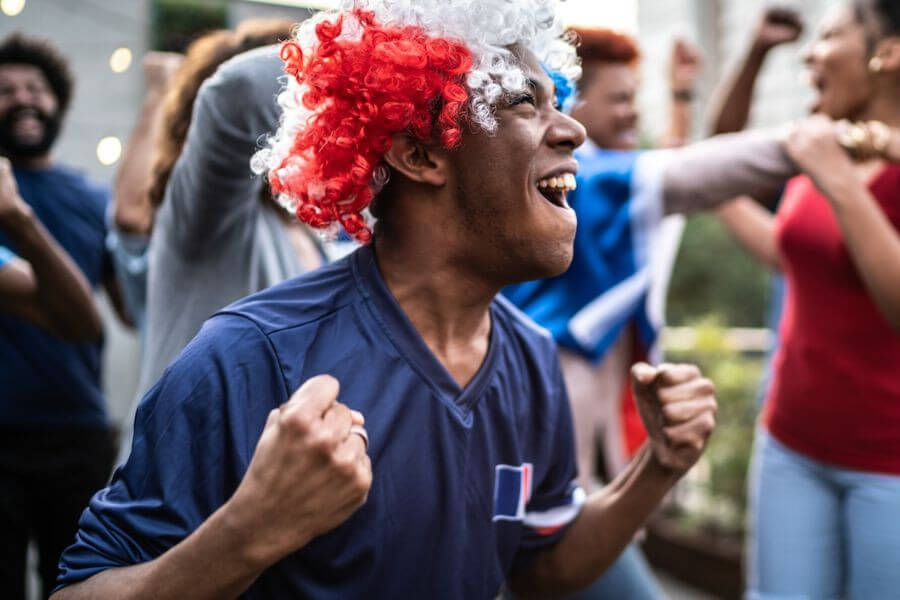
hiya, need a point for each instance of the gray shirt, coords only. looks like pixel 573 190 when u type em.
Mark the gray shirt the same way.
pixel 214 240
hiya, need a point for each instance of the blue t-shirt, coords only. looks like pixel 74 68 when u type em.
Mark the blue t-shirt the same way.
pixel 47 382
pixel 618 202
pixel 468 484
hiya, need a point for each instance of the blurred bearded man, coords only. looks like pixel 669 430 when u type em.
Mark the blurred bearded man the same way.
pixel 55 442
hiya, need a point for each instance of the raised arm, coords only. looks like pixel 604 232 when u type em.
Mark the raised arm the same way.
pixel 132 210
pixel 678 408
pixel 308 474
pixel 212 187
pixel 45 285
pixel 708 173
pixel 685 65
pixel 752 225
pixel 777 26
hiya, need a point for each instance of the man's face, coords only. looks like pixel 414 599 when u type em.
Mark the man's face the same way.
pixel 606 105
pixel 29 113
pixel 510 186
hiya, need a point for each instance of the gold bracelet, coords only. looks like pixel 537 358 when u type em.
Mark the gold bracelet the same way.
pixel 880 135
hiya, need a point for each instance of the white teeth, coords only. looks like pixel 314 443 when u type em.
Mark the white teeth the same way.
pixel 565 182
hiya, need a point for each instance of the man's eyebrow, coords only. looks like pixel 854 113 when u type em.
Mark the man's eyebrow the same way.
pixel 534 85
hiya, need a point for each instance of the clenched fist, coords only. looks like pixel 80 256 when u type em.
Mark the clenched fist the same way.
pixel 10 201
pixel 310 472
pixel 777 26
pixel 678 407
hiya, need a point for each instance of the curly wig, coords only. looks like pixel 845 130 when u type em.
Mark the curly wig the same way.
pixel 23 50
pixel 377 68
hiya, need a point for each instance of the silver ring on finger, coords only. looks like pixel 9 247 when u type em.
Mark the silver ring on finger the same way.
pixel 361 432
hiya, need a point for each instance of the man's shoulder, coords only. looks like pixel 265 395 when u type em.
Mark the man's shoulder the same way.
pixel 300 301
pixel 524 331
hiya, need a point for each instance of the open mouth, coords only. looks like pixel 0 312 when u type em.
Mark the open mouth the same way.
pixel 554 189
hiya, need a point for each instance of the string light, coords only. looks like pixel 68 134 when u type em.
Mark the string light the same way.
pixel 109 149
pixel 11 8
pixel 120 60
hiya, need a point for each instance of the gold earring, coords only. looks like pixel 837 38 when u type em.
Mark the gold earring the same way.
pixel 876 64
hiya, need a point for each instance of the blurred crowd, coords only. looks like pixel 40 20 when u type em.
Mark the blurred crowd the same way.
pixel 191 225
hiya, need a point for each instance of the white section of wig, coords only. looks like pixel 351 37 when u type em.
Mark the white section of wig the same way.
pixel 487 28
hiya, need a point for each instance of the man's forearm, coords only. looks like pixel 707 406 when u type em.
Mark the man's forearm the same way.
pixel 606 525
pixel 64 302
pixel 705 174
pixel 217 561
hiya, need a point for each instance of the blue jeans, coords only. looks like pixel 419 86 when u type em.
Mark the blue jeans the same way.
pixel 819 532
pixel 629 578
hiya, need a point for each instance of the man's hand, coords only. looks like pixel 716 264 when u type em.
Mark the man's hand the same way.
pixel 11 203
pixel 678 407
pixel 310 472
pixel 777 26
pixel 685 65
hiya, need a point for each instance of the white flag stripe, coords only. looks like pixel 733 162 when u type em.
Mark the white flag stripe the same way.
pixel 557 516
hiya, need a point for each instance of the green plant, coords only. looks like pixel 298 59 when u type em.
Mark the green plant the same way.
pixel 178 22
pixel 717 499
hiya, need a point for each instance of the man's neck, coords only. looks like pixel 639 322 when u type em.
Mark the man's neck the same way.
pixel 447 305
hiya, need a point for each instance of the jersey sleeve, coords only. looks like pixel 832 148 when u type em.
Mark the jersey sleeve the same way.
pixel 195 432
pixel 556 498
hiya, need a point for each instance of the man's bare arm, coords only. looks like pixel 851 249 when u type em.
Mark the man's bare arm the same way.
pixel 309 473
pixel 50 290
pixel 678 408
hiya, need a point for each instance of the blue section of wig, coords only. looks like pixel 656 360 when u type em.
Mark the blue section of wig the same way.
pixel 565 89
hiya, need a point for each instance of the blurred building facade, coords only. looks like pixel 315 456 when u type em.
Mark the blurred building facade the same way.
pixel 723 28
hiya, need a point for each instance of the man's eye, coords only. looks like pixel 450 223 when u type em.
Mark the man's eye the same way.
pixel 523 99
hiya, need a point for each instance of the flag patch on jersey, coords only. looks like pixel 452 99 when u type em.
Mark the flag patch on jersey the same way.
pixel 512 491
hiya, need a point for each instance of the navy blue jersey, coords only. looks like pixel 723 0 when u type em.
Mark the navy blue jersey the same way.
pixel 45 381
pixel 468 484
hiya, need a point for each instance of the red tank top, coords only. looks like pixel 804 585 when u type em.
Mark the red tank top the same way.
pixel 836 392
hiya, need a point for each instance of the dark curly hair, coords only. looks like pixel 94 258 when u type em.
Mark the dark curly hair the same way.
pixel 23 50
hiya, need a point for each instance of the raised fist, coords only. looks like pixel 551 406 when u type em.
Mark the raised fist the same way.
pixel 10 201
pixel 685 65
pixel 778 25
pixel 310 472
pixel 678 407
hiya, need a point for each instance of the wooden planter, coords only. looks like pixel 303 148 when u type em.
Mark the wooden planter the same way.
pixel 712 563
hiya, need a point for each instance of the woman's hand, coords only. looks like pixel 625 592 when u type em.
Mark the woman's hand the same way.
pixel 814 147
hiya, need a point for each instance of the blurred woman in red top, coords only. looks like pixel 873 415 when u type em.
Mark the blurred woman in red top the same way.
pixel 825 483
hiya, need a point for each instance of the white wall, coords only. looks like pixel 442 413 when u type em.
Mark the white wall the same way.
pixel 724 29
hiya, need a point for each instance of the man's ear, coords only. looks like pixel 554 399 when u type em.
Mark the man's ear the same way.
pixel 417 161
pixel 888 52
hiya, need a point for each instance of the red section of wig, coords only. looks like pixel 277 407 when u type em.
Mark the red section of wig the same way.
pixel 363 92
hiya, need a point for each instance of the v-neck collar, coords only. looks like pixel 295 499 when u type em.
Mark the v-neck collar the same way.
pixel 409 343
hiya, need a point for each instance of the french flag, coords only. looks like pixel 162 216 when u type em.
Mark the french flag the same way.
pixel 512 491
